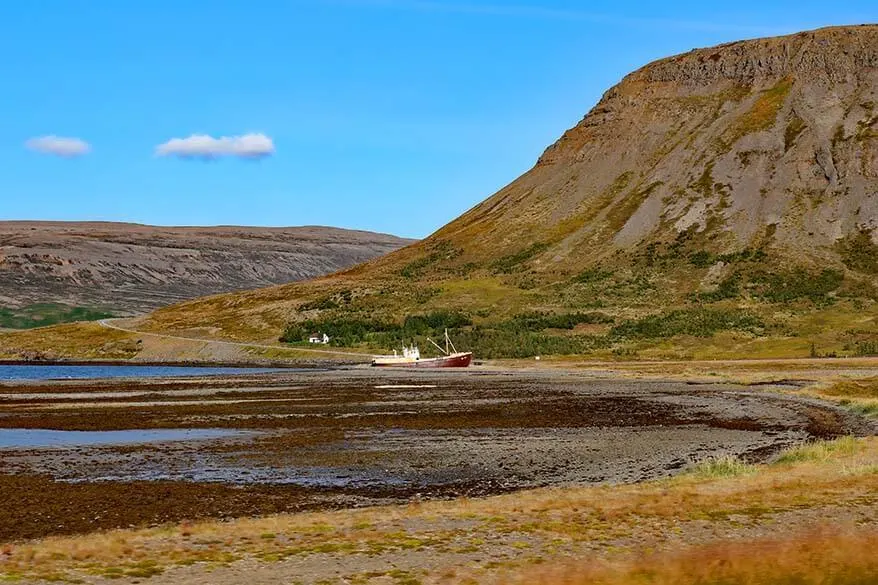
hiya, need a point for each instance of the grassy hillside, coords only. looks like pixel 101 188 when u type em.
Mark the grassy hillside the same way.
pixel 45 314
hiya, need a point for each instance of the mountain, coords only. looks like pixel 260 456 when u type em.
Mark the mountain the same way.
pixel 128 268
pixel 722 202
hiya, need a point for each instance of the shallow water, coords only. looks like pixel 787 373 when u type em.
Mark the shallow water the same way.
pixel 42 438
pixel 391 459
pixel 62 372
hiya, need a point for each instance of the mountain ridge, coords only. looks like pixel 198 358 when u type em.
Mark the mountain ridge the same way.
pixel 132 267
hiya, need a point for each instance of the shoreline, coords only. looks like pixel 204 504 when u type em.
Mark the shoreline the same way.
pixel 548 363
pixel 347 438
pixel 273 364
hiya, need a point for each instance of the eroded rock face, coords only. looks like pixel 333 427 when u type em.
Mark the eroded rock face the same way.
pixel 770 143
pixel 834 54
pixel 134 268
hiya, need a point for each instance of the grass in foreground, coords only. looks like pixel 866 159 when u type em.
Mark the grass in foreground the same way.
pixel 714 525
pixel 727 466
pixel 860 396
pixel 818 558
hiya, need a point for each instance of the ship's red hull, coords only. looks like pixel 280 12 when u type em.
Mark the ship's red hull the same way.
pixel 461 360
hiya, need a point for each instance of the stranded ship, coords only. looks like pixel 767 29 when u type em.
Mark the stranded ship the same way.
pixel 411 357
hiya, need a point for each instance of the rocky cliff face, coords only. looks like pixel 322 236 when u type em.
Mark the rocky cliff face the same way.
pixel 133 268
pixel 769 143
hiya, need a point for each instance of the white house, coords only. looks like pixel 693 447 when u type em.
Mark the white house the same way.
pixel 320 338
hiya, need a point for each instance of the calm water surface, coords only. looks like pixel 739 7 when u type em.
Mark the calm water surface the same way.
pixel 41 438
pixel 39 372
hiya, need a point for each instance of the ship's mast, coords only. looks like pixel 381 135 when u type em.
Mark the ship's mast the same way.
pixel 449 342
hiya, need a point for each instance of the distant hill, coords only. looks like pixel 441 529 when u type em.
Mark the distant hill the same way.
pixel 128 268
pixel 719 203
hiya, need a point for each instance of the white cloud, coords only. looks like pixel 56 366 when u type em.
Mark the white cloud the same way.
pixel 203 146
pixel 59 146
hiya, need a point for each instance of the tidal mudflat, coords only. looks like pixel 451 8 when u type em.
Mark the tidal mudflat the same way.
pixel 353 437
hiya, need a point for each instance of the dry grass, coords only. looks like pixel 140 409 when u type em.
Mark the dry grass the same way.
pixel 819 451
pixel 74 340
pixel 752 371
pixel 817 558
pixel 860 396
pixel 867 388
pixel 616 524
pixel 728 466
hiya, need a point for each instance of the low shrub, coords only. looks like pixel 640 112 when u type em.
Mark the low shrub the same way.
pixel 512 262
pixel 728 288
pixel 353 330
pixel 326 303
pixel 429 323
pixel 342 331
pixel 859 252
pixel 698 322
pixel 782 287
pixel 704 258
pixel 440 251
pixel 866 348
pixel 537 321
pixel 592 275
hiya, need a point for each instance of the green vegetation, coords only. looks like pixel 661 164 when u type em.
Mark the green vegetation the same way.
pixel 435 321
pixel 864 388
pixel 328 302
pixel 520 336
pixel 69 340
pixel 783 287
pixel 819 451
pixel 866 127
pixel 538 321
pixel 705 259
pixel 441 251
pixel 525 334
pixel 704 184
pixel 688 247
pixel 45 314
pixel 416 268
pixel 347 331
pixel 728 288
pixel 773 311
pixel 866 348
pixel 698 322
pixel 775 287
pixel 590 275
pixel 761 115
pixel 619 215
pixel 795 127
pixel 727 466
pixel 701 258
pixel 859 252
pixel 513 262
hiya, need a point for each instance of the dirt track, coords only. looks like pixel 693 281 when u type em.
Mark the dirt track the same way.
pixel 344 438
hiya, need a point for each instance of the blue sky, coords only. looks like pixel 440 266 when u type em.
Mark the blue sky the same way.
pixel 387 115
